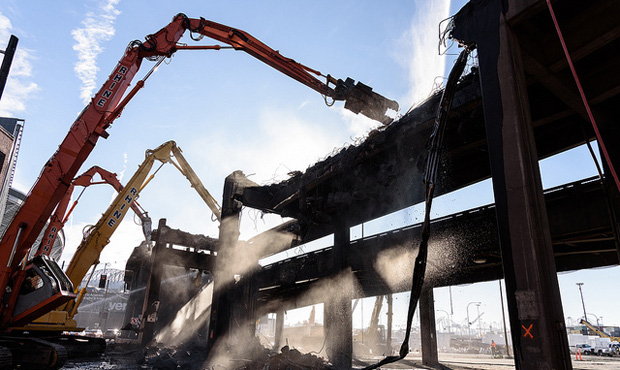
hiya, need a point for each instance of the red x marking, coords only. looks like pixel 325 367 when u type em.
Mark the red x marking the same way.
pixel 527 331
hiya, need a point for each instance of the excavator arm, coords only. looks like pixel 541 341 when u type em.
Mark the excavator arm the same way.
pixel 598 331
pixel 61 215
pixel 358 98
pixel 108 103
pixel 89 250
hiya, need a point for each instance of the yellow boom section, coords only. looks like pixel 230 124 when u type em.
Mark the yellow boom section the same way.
pixel 90 249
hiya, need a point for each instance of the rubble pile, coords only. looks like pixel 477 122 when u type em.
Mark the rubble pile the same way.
pixel 172 358
pixel 252 356
pixel 287 359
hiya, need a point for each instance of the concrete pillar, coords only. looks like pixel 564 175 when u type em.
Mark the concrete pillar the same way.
pixel 338 332
pixel 151 294
pixel 277 342
pixel 388 335
pixel 338 314
pixel 428 332
pixel 223 274
pixel 534 303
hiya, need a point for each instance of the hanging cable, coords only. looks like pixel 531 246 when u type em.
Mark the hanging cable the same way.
pixel 583 97
pixel 432 163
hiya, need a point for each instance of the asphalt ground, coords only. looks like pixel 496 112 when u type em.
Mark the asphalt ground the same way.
pixel 460 361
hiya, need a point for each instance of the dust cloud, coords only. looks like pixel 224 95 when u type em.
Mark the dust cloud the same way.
pixel 193 316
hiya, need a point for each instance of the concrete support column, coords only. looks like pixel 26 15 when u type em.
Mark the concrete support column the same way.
pixel 338 314
pixel 388 335
pixel 428 332
pixel 225 265
pixel 151 294
pixel 533 296
pixel 534 302
pixel 338 332
pixel 277 342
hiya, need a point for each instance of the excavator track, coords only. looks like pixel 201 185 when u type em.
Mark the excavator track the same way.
pixel 6 358
pixel 79 346
pixel 33 353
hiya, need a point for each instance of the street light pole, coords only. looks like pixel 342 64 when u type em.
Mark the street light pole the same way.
pixel 479 321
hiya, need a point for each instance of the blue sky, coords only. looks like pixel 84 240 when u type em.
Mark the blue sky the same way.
pixel 229 111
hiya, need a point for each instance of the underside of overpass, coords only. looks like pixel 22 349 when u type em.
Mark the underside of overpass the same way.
pixel 518 105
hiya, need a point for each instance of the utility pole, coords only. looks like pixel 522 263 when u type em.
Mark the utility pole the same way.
pixel 6 61
pixel 585 315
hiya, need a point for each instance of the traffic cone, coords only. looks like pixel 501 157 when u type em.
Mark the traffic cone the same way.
pixel 578 354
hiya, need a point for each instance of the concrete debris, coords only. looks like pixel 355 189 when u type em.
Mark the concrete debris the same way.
pixel 253 357
pixel 288 359
pixel 188 357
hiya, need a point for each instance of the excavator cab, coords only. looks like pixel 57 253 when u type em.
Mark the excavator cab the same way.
pixel 44 288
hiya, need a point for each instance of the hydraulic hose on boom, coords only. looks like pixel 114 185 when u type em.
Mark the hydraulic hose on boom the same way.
pixel 107 104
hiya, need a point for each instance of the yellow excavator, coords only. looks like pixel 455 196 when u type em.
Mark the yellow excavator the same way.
pixel 89 250
pixel 598 331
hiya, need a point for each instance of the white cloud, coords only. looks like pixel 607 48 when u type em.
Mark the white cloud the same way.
pixel 18 88
pixel 98 28
pixel 418 49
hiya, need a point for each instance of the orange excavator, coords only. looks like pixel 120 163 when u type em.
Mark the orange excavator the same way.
pixel 18 275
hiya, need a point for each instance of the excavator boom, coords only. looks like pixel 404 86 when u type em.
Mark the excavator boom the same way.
pixel 89 250
pixel 599 331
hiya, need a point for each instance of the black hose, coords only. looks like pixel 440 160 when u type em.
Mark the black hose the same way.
pixel 432 163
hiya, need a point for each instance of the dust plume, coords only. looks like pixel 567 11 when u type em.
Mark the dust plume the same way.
pixel 417 49
pixel 395 266
pixel 189 319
